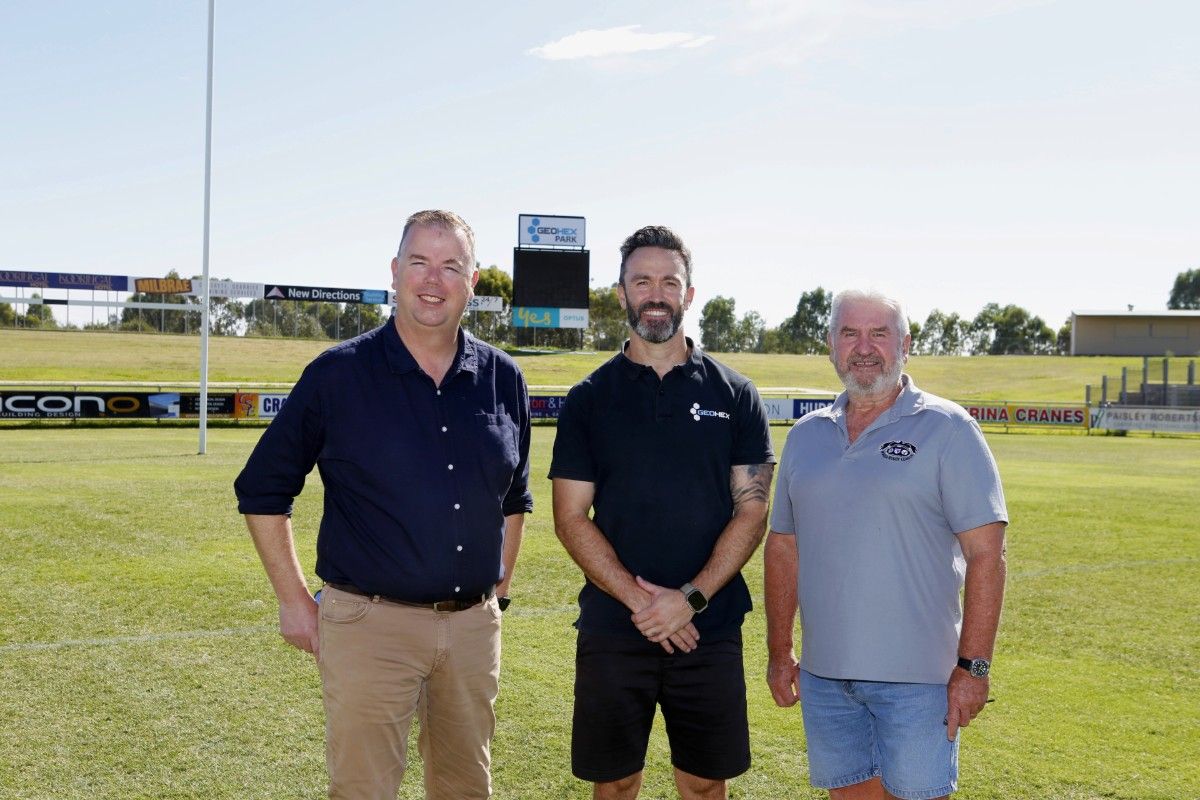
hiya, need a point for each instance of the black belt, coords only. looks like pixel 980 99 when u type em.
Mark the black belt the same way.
pixel 440 605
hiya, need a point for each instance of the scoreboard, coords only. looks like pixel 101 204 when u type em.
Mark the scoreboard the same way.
pixel 550 288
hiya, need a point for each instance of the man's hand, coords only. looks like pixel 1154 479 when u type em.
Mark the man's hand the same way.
pixel 966 696
pixel 667 618
pixel 298 625
pixel 783 678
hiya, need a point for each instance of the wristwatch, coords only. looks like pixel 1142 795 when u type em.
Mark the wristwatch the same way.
pixel 695 597
pixel 977 667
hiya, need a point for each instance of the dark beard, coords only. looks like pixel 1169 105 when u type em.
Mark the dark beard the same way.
pixel 657 331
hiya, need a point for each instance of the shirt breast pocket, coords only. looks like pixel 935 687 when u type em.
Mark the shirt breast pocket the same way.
pixel 497 446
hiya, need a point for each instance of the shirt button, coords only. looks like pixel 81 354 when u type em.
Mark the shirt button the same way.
pixel 459 548
pixel 456 508
pixel 458 588
pixel 443 429
pixel 439 391
pixel 449 466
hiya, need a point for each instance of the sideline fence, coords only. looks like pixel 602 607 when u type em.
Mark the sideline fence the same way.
pixel 240 402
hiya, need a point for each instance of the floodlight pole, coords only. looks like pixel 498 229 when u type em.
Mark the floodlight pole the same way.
pixel 204 280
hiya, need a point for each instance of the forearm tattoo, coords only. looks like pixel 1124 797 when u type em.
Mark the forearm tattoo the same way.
pixel 750 483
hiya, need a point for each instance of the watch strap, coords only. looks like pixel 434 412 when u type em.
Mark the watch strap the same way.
pixel 695 597
pixel 976 667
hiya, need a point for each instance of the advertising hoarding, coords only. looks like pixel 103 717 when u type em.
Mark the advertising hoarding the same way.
pixel 1161 419
pixel 485 303
pixel 325 294
pixel 89 405
pixel 541 230
pixel 219 405
pixel 64 280
pixel 257 405
pixel 546 406
pixel 162 285
pixel 1029 414
pixel 222 288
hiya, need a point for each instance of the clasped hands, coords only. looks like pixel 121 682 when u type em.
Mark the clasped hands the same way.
pixel 666 618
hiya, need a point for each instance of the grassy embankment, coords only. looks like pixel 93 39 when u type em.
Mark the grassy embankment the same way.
pixel 93 358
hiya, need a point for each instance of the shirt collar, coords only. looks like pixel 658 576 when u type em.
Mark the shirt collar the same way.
pixel 633 369
pixel 400 360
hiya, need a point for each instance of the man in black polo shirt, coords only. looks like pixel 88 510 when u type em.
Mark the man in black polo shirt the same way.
pixel 673 452
pixel 421 435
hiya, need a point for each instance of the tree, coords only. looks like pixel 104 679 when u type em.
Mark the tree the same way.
pixel 1185 294
pixel 718 325
pixel 807 330
pixel 492 326
pixel 39 315
pixel 495 282
pixel 133 319
pixel 1064 338
pixel 8 317
pixel 941 335
pixel 606 319
pixel 750 332
pixel 1010 330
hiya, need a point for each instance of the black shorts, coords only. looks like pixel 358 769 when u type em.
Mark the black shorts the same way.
pixel 619 680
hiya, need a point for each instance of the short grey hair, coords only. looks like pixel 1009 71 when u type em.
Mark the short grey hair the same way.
pixel 899 317
pixel 438 218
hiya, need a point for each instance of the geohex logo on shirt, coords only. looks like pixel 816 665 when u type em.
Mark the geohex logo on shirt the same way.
pixel 897 451
pixel 698 412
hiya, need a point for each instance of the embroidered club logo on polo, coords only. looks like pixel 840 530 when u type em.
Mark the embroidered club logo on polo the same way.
pixel 897 451
pixel 698 412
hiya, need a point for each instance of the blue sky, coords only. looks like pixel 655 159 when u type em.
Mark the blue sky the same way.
pixel 954 153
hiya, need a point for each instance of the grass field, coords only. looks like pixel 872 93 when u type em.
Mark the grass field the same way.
pixel 92 357
pixel 139 659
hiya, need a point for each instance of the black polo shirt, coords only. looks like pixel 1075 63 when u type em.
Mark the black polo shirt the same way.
pixel 418 477
pixel 659 453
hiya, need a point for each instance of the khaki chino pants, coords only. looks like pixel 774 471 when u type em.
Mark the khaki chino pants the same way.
pixel 381 663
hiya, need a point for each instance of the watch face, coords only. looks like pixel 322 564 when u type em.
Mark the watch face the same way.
pixel 696 601
pixel 980 667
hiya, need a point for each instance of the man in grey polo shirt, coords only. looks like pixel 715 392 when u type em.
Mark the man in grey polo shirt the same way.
pixel 887 503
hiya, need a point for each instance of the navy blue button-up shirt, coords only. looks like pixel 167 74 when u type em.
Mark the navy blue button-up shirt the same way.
pixel 418 477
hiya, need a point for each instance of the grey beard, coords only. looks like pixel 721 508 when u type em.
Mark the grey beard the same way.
pixel 885 382
pixel 657 331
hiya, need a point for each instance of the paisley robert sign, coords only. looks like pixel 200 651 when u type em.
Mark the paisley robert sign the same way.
pixel 1148 418
pixel 89 405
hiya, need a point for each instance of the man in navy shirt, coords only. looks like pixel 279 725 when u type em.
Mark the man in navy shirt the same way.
pixel 421 435
pixel 672 451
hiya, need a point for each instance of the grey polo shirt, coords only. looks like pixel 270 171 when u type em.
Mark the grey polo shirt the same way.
pixel 880 567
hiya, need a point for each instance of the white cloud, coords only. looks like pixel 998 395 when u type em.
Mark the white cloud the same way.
pixel 615 41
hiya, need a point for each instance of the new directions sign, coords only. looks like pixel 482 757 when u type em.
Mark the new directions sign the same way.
pixel 326 294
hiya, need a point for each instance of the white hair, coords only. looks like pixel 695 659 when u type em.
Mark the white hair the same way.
pixel 899 317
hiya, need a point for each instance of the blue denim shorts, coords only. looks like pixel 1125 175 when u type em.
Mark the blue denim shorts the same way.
pixel 858 730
